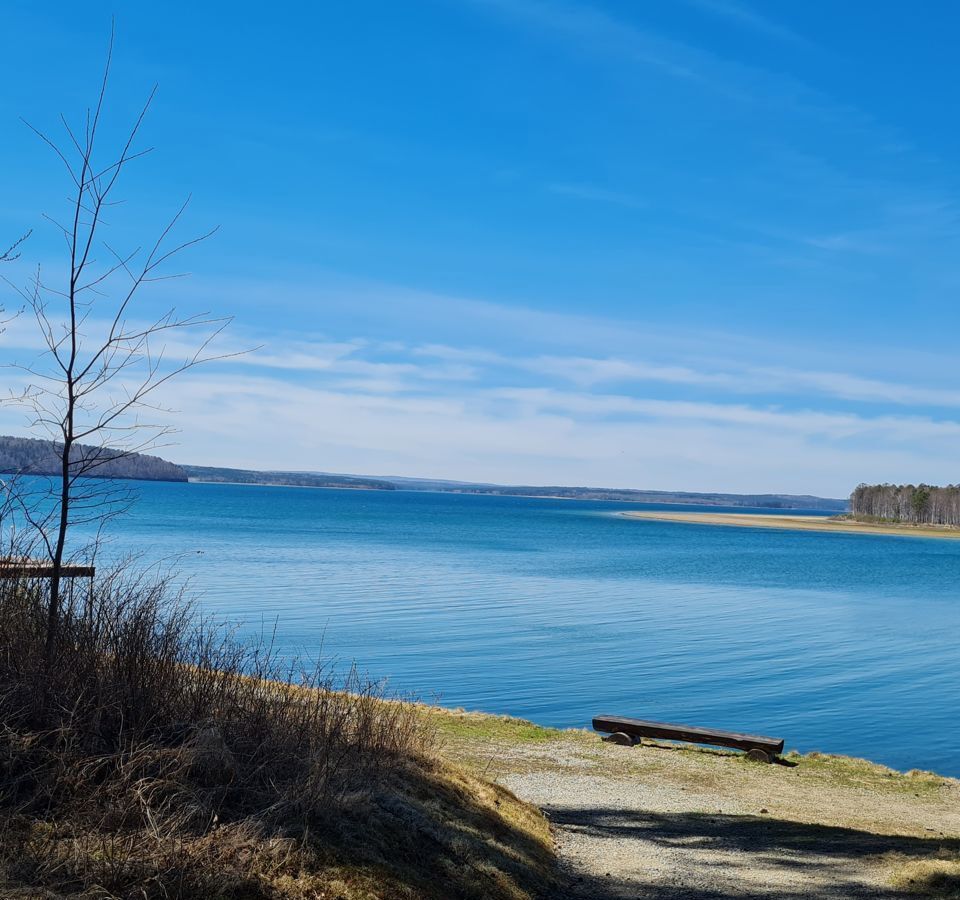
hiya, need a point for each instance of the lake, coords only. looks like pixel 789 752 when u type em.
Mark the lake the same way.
pixel 559 610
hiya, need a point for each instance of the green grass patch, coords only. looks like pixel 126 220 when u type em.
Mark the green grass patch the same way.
pixel 850 771
pixel 459 724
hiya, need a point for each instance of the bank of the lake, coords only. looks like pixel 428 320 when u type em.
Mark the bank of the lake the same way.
pixel 503 808
pixel 809 522
pixel 681 822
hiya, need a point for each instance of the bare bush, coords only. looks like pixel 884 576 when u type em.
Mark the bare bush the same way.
pixel 158 726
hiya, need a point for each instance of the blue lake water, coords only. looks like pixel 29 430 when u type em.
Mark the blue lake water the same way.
pixel 559 610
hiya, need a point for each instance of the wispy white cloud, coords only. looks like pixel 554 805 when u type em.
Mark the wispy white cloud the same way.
pixel 849 386
pixel 746 16
pixel 731 376
pixel 590 31
pixel 808 422
pixel 689 360
pixel 577 399
pixel 543 436
pixel 901 226
pixel 540 434
pixel 589 371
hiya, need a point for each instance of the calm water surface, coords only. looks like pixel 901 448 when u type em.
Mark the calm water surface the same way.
pixel 559 610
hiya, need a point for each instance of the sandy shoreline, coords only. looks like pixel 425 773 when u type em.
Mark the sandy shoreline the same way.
pixel 795 523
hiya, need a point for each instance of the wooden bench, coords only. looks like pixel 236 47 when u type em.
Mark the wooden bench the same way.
pixel 758 747
pixel 16 568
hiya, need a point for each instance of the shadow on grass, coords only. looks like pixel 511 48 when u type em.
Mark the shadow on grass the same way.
pixel 745 857
pixel 445 834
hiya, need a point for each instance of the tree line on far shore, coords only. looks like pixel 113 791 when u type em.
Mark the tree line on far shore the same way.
pixel 31 456
pixel 919 504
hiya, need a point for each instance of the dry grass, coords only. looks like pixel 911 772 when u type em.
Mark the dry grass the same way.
pixel 158 757
pixel 937 876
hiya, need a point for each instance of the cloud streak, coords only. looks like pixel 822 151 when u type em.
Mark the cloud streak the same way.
pixel 744 16
pixel 543 436
pixel 666 410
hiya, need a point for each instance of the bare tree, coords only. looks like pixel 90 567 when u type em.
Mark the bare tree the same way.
pixel 921 504
pixel 93 390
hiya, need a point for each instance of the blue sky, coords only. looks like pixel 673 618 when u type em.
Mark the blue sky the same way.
pixel 683 244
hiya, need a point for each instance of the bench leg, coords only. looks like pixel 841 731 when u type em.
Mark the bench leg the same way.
pixel 758 755
pixel 623 739
pixel 620 738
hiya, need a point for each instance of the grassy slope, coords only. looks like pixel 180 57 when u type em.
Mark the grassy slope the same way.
pixel 438 831
pixel 446 829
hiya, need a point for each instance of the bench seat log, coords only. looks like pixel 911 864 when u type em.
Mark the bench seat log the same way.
pixel 16 569
pixel 689 733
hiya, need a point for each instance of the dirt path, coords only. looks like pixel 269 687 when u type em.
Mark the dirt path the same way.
pixel 664 823
pixel 619 839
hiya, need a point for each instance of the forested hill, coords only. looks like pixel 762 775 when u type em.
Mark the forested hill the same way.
pixel 28 456
pixel 285 479
pixel 633 495
pixel 38 457
pixel 920 504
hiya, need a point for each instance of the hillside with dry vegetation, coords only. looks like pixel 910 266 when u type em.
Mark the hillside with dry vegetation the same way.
pixel 159 758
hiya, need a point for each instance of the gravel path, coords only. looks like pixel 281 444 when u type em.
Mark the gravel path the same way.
pixel 657 822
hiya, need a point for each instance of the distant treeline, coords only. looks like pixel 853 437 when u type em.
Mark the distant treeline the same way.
pixel 28 456
pixel 760 501
pixel 285 479
pixel 38 457
pixel 920 504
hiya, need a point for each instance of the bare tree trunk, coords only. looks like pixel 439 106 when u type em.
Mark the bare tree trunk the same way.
pixel 63 524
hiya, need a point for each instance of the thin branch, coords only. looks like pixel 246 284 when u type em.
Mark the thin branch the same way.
pixel 12 252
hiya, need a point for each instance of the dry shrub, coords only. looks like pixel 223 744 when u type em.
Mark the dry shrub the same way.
pixel 161 756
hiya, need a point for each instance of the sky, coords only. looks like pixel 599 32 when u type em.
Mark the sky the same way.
pixel 677 245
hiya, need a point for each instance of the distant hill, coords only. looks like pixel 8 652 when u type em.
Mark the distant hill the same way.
pixel 763 501
pixel 39 457
pixel 285 479
pixel 29 456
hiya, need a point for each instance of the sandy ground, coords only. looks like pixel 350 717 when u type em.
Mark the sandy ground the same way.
pixel 795 523
pixel 667 823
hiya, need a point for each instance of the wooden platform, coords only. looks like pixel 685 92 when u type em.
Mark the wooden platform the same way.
pixel 35 568
pixel 757 744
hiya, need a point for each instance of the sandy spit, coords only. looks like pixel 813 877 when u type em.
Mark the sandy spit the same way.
pixel 795 523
